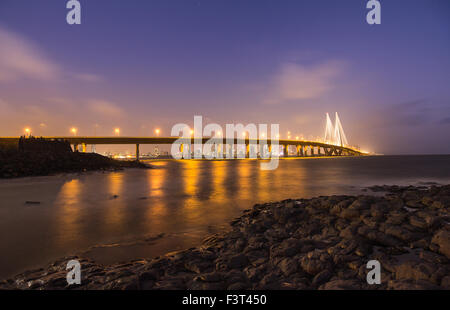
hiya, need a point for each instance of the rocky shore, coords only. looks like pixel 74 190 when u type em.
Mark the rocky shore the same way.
pixel 319 243
pixel 38 157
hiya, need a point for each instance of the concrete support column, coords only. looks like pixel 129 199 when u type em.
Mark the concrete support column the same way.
pixel 247 150
pixel 286 150
pixel 75 147
pixel 312 150
pixel 137 152
pixel 299 151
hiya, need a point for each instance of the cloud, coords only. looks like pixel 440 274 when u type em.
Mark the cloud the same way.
pixel 298 82
pixel 410 113
pixel 105 108
pixel 21 59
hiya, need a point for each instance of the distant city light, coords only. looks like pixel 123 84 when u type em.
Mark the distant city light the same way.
pixel 192 132
pixel 74 131
pixel 296 138
pixel 27 131
pixel 157 131
pixel 117 131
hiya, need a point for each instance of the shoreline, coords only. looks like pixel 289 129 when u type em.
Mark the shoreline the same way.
pixel 45 161
pixel 319 243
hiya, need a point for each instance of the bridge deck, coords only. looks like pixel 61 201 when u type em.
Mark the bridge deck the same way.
pixel 171 140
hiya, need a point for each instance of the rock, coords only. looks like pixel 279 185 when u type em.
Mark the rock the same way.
pixel 414 270
pixel 341 285
pixel 237 286
pixel 442 239
pixel 198 266
pixel 315 261
pixel 288 247
pixel 238 261
pixel 322 277
pixel 411 285
pixel 350 214
pixel 288 266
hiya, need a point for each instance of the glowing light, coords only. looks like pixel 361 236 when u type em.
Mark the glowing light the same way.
pixel 27 131
pixel 157 131
pixel 296 138
pixel 117 131
pixel 219 134
pixel 192 132
pixel 74 131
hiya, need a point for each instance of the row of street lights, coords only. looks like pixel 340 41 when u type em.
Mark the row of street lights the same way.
pixel 74 132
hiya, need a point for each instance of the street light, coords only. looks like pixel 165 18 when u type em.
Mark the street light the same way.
pixel 74 131
pixel 157 131
pixel 117 131
pixel 27 131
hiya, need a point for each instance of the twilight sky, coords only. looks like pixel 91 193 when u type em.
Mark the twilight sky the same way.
pixel 139 65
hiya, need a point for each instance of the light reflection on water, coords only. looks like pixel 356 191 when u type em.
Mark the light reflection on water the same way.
pixel 183 199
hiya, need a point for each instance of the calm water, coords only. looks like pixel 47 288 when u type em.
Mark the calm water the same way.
pixel 115 216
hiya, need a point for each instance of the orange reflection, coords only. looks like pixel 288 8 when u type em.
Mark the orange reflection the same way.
pixel 244 173
pixel 157 178
pixel 219 177
pixel 115 213
pixel 191 171
pixel 69 211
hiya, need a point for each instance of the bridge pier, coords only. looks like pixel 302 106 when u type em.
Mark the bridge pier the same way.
pixel 137 152
pixel 75 147
pixel 299 150
pixel 312 150
pixel 83 147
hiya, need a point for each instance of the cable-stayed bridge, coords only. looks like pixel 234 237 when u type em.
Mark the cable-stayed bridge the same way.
pixel 334 143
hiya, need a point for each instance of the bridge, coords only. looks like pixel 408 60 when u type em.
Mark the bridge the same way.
pixel 303 148
pixel 334 143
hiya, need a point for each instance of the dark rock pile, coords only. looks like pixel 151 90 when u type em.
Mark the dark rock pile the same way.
pixel 37 157
pixel 319 243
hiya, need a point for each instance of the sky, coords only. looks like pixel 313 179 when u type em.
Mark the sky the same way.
pixel 141 65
